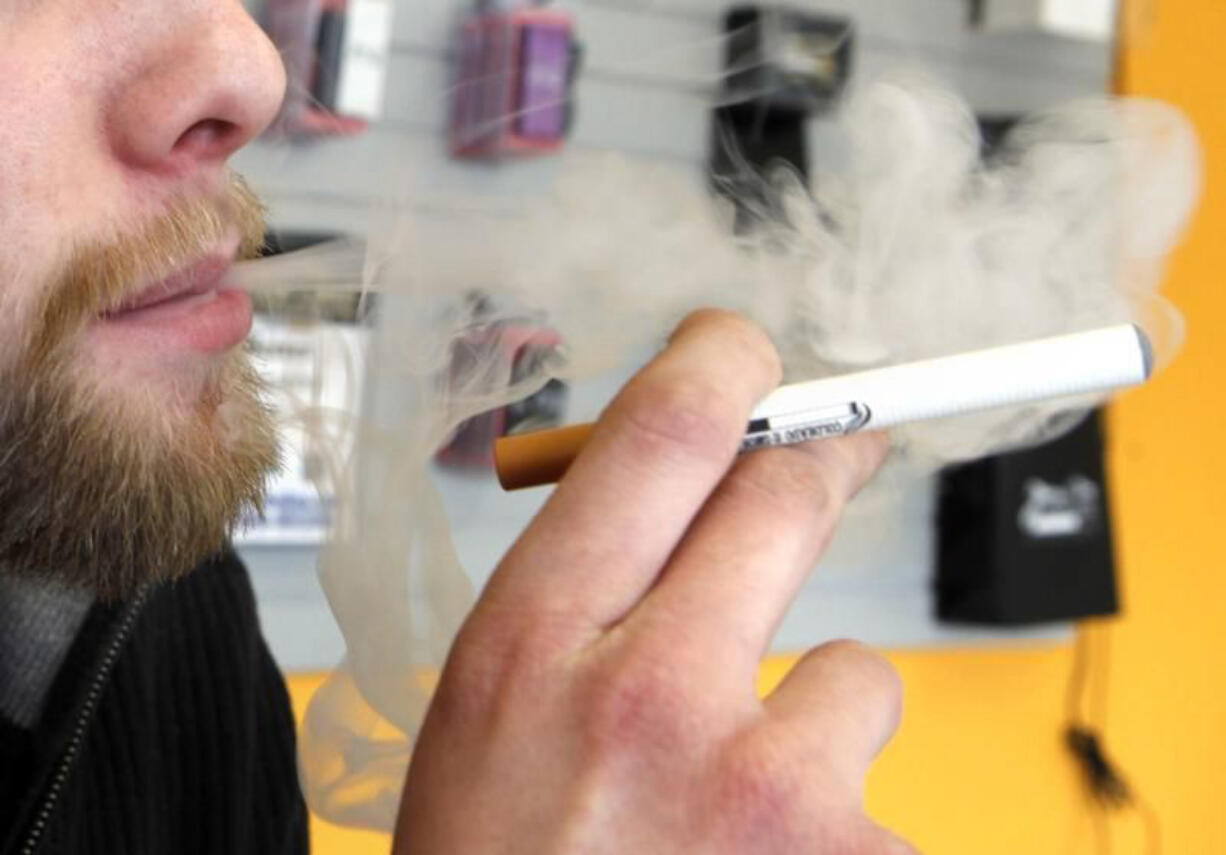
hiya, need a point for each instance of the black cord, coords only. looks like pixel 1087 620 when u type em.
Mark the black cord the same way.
pixel 1109 791
pixel 1106 784
pixel 1074 697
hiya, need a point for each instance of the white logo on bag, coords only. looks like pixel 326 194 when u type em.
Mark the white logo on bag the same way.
pixel 1054 510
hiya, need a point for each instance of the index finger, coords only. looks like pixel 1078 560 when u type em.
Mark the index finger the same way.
pixel 655 455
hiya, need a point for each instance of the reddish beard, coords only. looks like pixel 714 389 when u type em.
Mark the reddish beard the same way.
pixel 98 486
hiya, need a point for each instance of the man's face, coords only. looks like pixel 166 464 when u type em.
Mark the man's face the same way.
pixel 131 429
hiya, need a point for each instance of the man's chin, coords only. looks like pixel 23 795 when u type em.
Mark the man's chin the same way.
pixel 109 485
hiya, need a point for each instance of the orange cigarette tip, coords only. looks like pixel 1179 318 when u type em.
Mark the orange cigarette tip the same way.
pixel 535 459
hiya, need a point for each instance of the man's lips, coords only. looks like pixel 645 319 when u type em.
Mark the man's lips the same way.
pixel 195 309
pixel 200 278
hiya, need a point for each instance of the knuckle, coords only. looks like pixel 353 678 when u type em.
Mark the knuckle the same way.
pixel 874 446
pixel 744 337
pixel 684 418
pixel 857 458
pixel 701 409
pixel 474 676
pixel 469 685
pixel 498 658
pixel 759 790
pixel 842 461
pixel 638 702
pixel 786 479
pixel 764 791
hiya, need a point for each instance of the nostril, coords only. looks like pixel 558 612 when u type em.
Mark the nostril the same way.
pixel 207 137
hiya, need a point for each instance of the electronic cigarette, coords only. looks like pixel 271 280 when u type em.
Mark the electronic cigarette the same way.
pixel 1082 363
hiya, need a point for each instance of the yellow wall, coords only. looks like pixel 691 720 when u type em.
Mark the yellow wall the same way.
pixel 979 767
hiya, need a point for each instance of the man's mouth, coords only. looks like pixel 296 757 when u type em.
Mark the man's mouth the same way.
pixel 200 280
pixel 193 309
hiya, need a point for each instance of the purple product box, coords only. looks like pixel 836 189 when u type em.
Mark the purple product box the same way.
pixel 545 61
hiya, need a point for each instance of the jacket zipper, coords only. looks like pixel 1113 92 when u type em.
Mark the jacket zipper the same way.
pixel 84 717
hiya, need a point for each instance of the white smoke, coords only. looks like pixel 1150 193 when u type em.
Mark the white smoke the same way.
pixel 916 248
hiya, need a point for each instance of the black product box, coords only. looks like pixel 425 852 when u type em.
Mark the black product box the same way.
pixel 1025 537
pixel 786 59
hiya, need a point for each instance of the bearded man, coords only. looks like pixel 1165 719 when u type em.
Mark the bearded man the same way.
pixel 601 696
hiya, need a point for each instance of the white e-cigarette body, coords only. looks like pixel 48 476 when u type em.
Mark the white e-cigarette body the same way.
pixel 1081 363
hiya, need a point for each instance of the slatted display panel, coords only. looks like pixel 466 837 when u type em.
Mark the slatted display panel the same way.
pixel 651 73
pixel 650 76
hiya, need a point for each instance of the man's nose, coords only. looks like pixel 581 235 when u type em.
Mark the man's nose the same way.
pixel 205 88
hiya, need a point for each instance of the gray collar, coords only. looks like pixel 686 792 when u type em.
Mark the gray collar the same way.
pixel 39 619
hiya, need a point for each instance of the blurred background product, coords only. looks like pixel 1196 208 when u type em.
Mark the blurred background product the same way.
pixel 311 348
pixel 782 68
pixel 1026 538
pixel 519 344
pixel 1092 20
pixel 336 55
pixel 515 73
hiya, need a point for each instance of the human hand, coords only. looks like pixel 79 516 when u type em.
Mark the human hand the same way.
pixel 600 698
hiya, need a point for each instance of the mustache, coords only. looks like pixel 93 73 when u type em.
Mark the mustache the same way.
pixel 99 277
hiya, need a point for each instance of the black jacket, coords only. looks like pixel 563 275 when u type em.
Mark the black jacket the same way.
pixel 168 730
